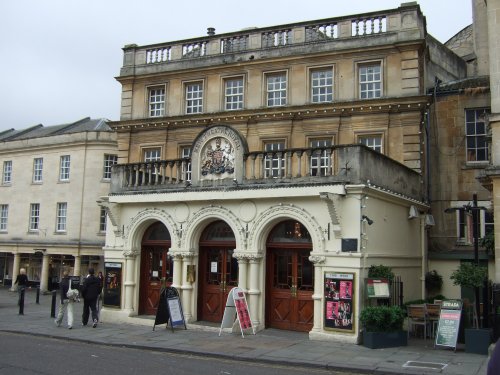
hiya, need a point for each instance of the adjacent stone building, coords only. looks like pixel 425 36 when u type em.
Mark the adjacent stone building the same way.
pixel 284 160
pixel 52 177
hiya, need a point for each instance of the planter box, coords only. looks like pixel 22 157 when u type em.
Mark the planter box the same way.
pixel 377 340
pixel 477 340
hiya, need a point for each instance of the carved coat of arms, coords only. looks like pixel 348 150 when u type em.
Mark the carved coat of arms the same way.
pixel 217 158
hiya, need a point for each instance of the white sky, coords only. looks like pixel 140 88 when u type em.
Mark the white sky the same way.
pixel 58 58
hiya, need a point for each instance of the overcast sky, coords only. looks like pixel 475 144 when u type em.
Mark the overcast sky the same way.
pixel 58 58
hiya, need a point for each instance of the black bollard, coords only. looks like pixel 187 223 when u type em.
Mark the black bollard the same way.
pixel 38 295
pixel 53 306
pixel 21 302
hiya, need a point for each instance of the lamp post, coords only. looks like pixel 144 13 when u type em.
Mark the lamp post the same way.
pixel 474 211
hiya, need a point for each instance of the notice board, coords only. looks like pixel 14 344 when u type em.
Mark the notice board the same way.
pixel 449 323
pixel 112 295
pixel 236 308
pixel 377 288
pixel 339 301
pixel 169 309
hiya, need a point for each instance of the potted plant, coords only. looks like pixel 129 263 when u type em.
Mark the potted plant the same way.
pixel 472 275
pixel 433 282
pixel 383 327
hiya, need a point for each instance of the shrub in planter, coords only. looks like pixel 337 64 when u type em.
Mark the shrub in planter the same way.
pixel 383 326
pixel 381 272
pixel 433 282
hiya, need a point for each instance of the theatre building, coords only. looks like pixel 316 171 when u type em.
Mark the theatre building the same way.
pixel 284 160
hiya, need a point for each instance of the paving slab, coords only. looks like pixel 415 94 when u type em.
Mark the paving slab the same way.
pixel 270 345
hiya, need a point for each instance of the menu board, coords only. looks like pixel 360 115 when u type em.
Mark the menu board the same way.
pixel 449 323
pixel 236 307
pixel 339 303
pixel 378 288
pixel 112 284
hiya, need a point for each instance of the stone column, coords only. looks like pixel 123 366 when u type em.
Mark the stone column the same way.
pixel 242 270
pixel 78 262
pixel 187 287
pixel 254 293
pixel 15 270
pixel 177 276
pixel 318 291
pixel 129 284
pixel 44 278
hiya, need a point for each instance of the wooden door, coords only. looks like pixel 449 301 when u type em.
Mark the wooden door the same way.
pixel 218 275
pixel 156 266
pixel 290 286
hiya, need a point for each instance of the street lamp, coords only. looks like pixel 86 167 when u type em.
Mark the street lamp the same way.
pixel 474 210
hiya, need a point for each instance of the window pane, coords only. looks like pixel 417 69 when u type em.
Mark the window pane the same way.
pixel 7 172
pixel 322 86
pixel 37 169
pixel 34 216
pixel 370 81
pixel 276 90
pixel 476 135
pixel 194 97
pixel 64 168
pixel 234 94
pixel 157 102
pixel 62 209
pixel 4 216
pixel 109 161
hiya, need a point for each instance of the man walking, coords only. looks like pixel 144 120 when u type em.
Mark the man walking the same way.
pixel 66 301
pixel 91 289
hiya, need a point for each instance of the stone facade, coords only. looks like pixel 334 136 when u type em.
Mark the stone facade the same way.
pixel 261 168
pixel 65 233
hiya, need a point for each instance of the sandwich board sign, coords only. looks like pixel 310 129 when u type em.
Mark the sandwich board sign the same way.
pixel 236 308
pixel 170 309
pixel 449 323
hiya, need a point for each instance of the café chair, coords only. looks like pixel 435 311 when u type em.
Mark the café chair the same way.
pixel 417 316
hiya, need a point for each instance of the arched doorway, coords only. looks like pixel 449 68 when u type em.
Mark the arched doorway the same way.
pixel 155 266
pixel 290 278
pixel 218 270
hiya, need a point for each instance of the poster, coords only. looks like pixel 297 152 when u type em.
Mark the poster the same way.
pixel 112 284
pixel 236 307
pixel 339 301
pixel 176 315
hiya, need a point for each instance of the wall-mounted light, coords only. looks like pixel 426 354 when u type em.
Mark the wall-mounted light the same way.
pixel 367 219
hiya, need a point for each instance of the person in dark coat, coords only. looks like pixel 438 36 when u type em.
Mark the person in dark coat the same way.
pixel 22 283
pixel 494 362
pixel 91 289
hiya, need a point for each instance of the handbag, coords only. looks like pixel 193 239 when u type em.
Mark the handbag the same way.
pixel 72 294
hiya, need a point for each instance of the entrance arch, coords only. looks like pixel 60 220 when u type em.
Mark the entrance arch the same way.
pixel 290 278
pixel 218 270
pixel 156 265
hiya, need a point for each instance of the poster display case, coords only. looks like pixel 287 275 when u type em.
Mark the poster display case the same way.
pixel 339 301
pixel 112 284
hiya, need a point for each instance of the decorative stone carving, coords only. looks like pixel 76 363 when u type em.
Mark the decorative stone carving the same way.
pixel 113 210
pixel 288 211
pixel 131 253
pixel 317 259
pixel 217 159
pixel 160 215
pixel 247 257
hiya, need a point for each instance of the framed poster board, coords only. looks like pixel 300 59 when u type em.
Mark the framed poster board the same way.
pixel 112 294
pixel 339 301
pixel 377 288
pixel 449 323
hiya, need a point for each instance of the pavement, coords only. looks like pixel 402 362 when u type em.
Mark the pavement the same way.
pixel 267 346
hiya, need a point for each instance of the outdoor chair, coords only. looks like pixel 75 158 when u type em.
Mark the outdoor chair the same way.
pixel 433 311
pixel 417 316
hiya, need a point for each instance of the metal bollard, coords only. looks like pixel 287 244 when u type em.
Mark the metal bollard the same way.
pixel 53 306
pixel 38 295
pixel 21 302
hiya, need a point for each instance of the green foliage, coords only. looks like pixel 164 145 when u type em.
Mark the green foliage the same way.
pixel 382 318
pixel 381 272
pixel 488 242
pixel 469 275
pixel 433 281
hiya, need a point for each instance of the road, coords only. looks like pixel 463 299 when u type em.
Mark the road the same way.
pixel 28 355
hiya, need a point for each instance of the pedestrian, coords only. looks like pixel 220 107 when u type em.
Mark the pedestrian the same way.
pixel 67 300
pixel 91 289
pixel 22 283
pixel 494 362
